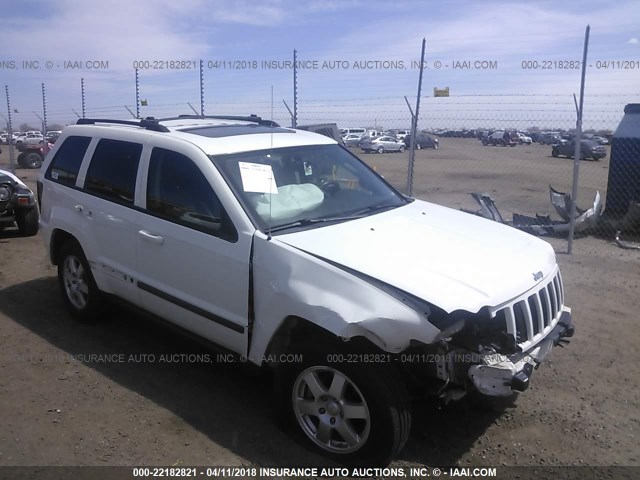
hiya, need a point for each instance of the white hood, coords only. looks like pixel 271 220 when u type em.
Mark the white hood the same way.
pixel 449 258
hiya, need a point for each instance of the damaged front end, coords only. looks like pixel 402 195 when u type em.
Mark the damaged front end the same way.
pixel 496 350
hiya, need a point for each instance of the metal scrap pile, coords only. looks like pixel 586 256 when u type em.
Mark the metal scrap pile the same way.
pixel 543 225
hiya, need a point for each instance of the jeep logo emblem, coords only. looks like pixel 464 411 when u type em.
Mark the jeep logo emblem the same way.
pixel 537 276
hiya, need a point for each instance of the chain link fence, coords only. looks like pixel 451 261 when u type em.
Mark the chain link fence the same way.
pixel 511 150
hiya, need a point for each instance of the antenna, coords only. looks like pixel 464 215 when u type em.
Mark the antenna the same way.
pixel 272 175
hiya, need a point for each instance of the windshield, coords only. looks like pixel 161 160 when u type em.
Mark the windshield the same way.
pixel 296 187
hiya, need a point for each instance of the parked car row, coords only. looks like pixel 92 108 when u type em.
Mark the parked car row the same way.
pixel 32 137
pixel 388 141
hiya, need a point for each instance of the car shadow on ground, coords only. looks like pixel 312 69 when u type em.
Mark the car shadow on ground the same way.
pixel 9 232
pixel 229 404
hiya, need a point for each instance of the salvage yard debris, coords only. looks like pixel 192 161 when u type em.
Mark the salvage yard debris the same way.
pixel 542 224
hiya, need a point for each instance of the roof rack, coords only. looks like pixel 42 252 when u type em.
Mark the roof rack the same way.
pixel 149 123
pixel 251 118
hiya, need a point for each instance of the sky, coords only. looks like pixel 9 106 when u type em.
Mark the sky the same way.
pixel 507 64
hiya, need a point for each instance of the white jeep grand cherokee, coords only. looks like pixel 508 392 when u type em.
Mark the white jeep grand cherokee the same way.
pixel 282 246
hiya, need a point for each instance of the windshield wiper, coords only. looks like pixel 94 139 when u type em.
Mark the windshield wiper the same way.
pixel 311 221
pixel 374 208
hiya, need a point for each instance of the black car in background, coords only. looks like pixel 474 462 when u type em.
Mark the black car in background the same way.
pixel 422 141
pixel 589 150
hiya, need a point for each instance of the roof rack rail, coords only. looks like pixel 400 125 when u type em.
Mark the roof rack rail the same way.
pixel 251 118
pixel 149 123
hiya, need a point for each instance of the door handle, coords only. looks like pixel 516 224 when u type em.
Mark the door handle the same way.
pixel 151 237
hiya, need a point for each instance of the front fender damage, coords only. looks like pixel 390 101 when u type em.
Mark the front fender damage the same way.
pixel 289 282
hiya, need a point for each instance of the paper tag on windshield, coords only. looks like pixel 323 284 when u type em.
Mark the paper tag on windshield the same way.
pixel 258 178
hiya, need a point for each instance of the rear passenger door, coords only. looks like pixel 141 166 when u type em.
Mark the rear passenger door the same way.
pixel 193 262
pixel 105 206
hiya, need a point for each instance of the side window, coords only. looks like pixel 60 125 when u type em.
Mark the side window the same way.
pixel 66 164
pixel 178 191
pixel 113 170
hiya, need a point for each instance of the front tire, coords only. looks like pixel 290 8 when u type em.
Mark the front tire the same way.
pixel 418 146
pixel 353 414
pixel 27 221
pixel 79 290
pixel 380 150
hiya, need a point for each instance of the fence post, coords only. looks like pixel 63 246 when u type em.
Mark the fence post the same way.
pixel 294 121
pixel 414 126
pixel 137 96
pixel 12 165
pixel 82 93
pixel 290 113
pixel 201 88
pixel 578 144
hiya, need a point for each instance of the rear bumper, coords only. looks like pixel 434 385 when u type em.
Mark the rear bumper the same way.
pixel 501 376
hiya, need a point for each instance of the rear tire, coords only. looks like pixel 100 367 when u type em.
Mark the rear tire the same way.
pixel 27 221
pixel 33 160
pixel 380 150
pixel 418 146
pixel 401 149
pixel 77 285
pixel 353 414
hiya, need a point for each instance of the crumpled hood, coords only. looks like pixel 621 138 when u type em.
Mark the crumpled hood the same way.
pixel 449 258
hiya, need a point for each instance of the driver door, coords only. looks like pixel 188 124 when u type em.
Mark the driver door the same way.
pixel 194 265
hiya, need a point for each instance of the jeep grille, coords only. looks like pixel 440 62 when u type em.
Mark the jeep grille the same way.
pixel 530 317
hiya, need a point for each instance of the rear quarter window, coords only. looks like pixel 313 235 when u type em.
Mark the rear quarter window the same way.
pixel 66 163
pixel 113 170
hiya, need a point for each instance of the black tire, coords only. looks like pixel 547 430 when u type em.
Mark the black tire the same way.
pixel 27 220
pixel 33 160
pixel 435 146
pixel 380 149
pixel 385 399
pixel 554 153
pixel 485 143
pixel 401 148
pixel 71 256
pixel 20 160
pixel 418 146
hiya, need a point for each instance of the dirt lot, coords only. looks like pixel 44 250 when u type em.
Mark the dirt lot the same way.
pixel 581 409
